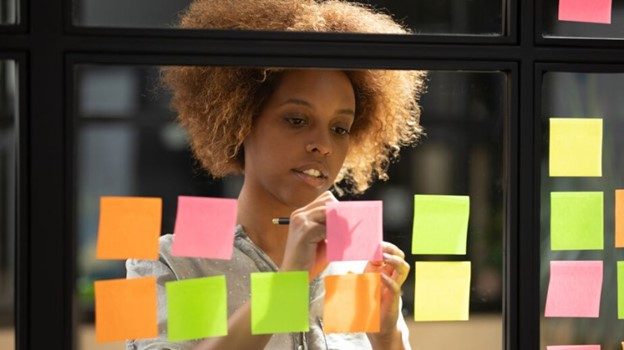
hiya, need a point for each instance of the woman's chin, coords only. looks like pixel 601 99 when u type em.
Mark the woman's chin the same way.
pixel 299 199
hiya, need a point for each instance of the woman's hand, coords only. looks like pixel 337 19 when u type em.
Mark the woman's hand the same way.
pixel 393 270
pixel 305 248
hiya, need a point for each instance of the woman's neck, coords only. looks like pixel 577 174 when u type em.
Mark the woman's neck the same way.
pixel 255 214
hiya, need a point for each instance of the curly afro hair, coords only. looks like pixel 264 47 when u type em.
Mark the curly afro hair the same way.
pixel 217 105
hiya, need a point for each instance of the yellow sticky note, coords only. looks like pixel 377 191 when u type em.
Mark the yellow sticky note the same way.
pixel 125 309
pixel 575 147
pixel 129 228
pixel 442 291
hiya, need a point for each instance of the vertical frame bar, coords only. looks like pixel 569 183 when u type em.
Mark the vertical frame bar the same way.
pixel 47 232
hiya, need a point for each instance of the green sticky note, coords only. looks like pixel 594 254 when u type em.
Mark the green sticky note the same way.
pixel 575 147
pixel 442 291
pixel 576 221
pixel 440 224
pixel 279 302
pixel 197 308
pixel 620 274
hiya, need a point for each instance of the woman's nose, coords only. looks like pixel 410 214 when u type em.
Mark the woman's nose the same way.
pixel 320 143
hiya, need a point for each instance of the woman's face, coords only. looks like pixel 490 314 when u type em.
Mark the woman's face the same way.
pixel 300 139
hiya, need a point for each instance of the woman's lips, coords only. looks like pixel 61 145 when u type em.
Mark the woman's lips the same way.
pixel 313 181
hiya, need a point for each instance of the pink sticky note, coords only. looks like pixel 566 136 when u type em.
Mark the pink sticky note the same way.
pixel 592 11
pixel 354 230
pixel 573 347
pixel 204 227
pixel 574 289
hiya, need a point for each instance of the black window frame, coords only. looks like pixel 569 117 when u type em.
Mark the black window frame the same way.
pixel 46 45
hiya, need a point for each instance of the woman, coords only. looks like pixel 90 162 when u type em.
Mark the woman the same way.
pixel 294 134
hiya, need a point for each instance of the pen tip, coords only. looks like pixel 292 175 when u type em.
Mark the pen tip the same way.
pixel 275 221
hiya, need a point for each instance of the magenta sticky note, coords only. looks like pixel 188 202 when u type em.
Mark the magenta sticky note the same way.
pixel 592 11
pixel 354 230
pixel 574 289
pixel 573 347
pixel 204 227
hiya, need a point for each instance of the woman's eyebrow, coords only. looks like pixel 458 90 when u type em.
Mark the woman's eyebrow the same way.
pixel 305 103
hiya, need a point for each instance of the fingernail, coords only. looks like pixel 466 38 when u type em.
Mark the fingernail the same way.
pixel 386 256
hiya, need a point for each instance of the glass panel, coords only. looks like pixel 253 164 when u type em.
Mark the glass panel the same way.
pixel 461 154
pixel 553 27
pixel 8 200
pixel 132 147
pixel 9 12
pixel 477 17
pixel 581 95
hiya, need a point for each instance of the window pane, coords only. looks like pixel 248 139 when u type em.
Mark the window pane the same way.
pixel 8 200
pixel 9 12
pixel 142 152
pixel 553 27
pixel 581 95
pixel 477 17
pixel 461 154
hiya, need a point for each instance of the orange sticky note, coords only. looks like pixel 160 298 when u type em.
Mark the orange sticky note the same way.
pixel 125 309
pixel 352 303
pixel 129 228
pixel 619 218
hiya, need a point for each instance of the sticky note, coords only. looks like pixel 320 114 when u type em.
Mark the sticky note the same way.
pixel 619 218
pixel 573 347
pixel 591 11
pixel 440 224
pixel 442 291
pixel 204 227
pixel 352 303
pixel 354 230
pixel 620 283
pixel 574 289
pixel 575 146
pixel 125 309
pixel 129 228
pixel 196 308
pixel 576 221
pixel 279 302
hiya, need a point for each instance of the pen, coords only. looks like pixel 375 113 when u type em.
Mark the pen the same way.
pixel 281 221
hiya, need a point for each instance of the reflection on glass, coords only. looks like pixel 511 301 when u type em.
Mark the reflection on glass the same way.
pixel 8 200
pixel 553 27
pixel 477 17
pixel 9 12
pixel 131 146
pixel 581 95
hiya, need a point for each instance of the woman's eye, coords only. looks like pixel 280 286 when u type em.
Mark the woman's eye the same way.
pixel 341 131
pixel 295 120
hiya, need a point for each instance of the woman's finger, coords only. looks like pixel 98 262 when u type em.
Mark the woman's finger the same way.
pixel 391 284
pixel 314 215
pixel 390 248
pixel 400 267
